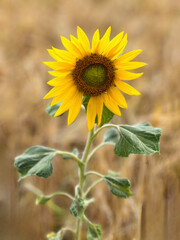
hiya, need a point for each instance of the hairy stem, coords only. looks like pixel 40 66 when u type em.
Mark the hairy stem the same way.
pixel 82 177
pixel 96 148
pixel 95 173
pixel 60 194
pixel 50 204
pixel 71 155
pixel 93 185
pixel 105 126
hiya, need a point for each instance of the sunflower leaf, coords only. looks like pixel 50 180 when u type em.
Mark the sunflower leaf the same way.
pixel 107 116
pixel 85 101
pixel 36 160
pixel 141 138
pixel 111 136
pixel 51 110
pixel 94 231
pixel 119 187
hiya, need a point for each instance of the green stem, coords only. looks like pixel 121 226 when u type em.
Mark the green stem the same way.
pixel 96 148
pixel 82 177
pixel 50 204
pixel 71 155
pixel 88 145
pixel 105 126
pixel 61 194
pixel 91 187
pixel 95 173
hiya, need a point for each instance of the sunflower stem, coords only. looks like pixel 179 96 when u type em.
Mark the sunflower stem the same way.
pixel 93 185
pixel 69 154
pixel 105 126
pixel 96 148
pixel 82 178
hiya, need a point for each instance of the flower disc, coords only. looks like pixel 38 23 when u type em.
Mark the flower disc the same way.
pixel 93 74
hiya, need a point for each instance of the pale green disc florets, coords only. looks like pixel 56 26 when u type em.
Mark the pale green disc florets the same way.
pixel 95 75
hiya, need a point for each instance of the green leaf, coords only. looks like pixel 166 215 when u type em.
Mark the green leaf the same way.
pixel 111 136
pixel 75 151
pixel 107 115
pixel 94 231
pixel 51 110
pixel 77 208
pixel 36 160
pixel 137 139
pixel 42 199
pixel 85 101
pixel 120 187
pixel 54 236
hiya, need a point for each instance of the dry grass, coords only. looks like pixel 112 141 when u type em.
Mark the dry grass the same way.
pixel 27 29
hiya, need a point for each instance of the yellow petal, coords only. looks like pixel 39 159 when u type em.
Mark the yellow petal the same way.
pixel 95 41
pixel 77 43
pixel 126 88
pixel 71 47
pixel 129 65
pixel 111 104
pixel 118 97
pixel 64 95
pixel 104 41
pixel 125 75
pixel 128 56
pixel 83 39
pixel 113 43
pixel 117 50
pixel 75 108
pixel 64 55
pixel 53 55
pixel 98 105
pixel 58 89
pixel 59 81
pixel 56 100
pixel 63 108
pixel 60 65
pixel 91 113
pixel 67 101
pixel 99 108
pixel 57 74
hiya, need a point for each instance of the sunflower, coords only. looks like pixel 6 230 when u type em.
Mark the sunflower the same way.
pixel 98 71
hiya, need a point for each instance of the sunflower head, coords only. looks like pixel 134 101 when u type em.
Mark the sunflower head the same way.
pixel 98 72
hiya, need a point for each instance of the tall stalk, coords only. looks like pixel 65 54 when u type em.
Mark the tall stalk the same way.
pixel 82 178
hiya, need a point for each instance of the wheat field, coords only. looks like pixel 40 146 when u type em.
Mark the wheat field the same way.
pixel 30 27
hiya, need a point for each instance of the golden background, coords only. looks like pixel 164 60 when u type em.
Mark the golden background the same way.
pixel 27 29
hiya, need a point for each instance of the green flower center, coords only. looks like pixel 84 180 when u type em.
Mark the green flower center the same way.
pixel 95 75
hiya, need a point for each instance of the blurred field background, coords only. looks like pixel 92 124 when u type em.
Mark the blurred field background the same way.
pixel 28 28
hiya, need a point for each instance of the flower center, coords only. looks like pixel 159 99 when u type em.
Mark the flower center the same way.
pixel 93 74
